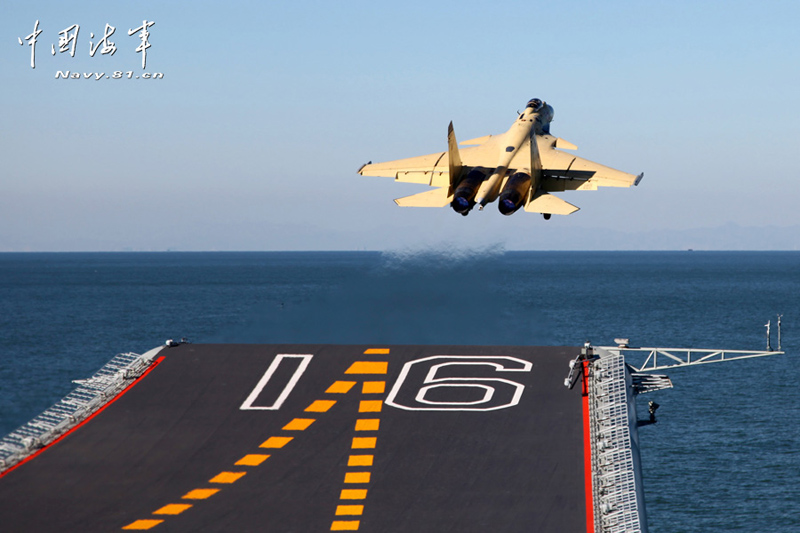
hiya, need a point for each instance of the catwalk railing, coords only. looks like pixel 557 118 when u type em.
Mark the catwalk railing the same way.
pixel 618 505
pixel 90 395
pixel 663 358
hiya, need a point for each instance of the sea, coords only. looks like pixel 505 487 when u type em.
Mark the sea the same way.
pixel 723 456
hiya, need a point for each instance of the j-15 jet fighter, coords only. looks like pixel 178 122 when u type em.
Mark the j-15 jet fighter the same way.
pixel 519 168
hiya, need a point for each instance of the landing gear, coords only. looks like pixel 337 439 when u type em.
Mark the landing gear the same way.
pixel 546 216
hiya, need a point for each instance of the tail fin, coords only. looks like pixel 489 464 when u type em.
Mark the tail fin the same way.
pixel 455 159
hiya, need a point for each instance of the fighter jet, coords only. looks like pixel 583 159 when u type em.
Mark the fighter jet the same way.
pixel 520 168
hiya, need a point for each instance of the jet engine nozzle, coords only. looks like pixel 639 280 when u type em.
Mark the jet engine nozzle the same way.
pixel 464 195
pixel 460 204
pixel 514 193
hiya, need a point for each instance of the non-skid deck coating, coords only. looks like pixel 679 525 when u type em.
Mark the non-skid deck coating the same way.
pixel 345 438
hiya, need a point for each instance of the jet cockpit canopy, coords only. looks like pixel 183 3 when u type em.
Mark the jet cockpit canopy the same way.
pixel 535 103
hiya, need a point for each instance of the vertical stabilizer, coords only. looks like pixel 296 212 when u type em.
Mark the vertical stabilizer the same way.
pixel 536 166
pixel 455 159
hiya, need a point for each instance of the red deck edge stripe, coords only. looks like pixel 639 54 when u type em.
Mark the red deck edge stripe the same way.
pixel 114 399
pixel 587 450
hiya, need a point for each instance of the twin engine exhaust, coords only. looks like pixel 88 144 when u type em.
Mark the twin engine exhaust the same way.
pixel 511 197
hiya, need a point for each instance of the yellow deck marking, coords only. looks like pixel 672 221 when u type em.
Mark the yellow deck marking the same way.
pixel 344 525
pixel 368 424
pixel 200 494
pixel 368 367
pixel 370 406
pixel 299 424
pixel 356 477
pixel 360 460
pixel 173 508
pixel 320 406
pixel 275 442
pixel 373 387
pixel 349 510
pixel 353 494
pixel 376 351
pixel 226 477
pixel 340 387
pixel 143 524
pixel 252 459
pixel 364 442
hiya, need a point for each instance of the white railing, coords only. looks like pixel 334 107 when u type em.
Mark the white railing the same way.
pixel 618 502
pixel 663 358
pixel 90 395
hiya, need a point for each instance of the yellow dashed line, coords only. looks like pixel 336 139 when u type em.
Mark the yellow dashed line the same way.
pixel 368 424
pixel 370 406
pixel 357 477
pixel 340 387
pixel 344 525
pixel 173 508
pixel 360 460
pixel 200 494
pixel 320 406
pixel 275 442
pixel 301 424
pixel 373 387
pixel 143 524
pixel 376 351
pixel 298 424
pixel 349 510
pixel 226 477
pixel 360 443
pixel 368 367
pixel 353 494
pixel 251 460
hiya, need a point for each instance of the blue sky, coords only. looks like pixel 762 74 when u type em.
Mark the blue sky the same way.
pixel 252 139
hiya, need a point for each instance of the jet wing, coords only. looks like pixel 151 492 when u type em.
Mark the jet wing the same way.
pixel 562 171
pixel 434 169
pixel 431 169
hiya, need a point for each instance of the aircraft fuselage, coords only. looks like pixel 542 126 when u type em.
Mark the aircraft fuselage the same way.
pixel 534 119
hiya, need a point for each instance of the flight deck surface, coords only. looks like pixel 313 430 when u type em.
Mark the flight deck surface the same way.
pixel 301 438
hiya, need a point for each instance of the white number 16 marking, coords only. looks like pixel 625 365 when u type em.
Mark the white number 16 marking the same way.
pixel 498 393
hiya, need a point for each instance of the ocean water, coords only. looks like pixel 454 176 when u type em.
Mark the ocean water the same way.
pixel 724 456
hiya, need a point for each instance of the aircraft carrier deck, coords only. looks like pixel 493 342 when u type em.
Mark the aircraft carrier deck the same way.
pixel 302 438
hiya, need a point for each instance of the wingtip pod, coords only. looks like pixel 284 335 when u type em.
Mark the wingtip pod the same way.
pixel 361 168
pixel 638 179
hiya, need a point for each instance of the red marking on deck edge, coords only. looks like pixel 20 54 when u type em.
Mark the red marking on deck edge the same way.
pixel 587 449
pixel 114 399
